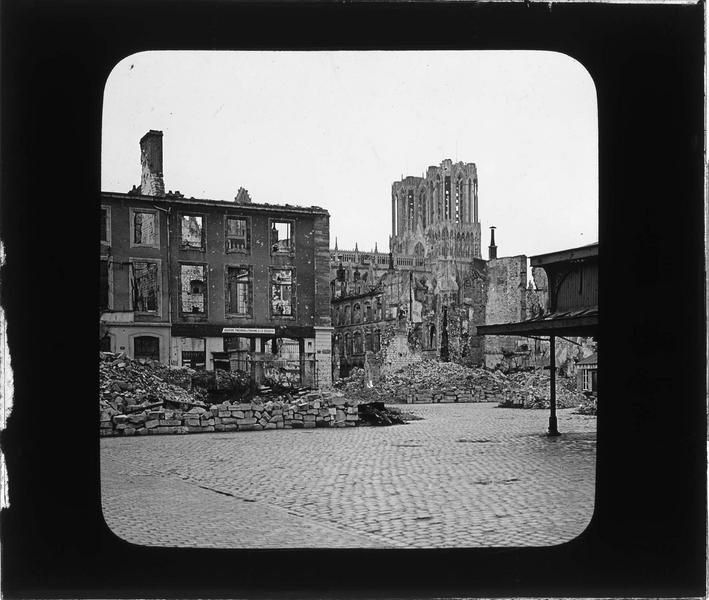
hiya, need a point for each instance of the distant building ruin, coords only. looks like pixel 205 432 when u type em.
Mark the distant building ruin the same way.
pixel 426 297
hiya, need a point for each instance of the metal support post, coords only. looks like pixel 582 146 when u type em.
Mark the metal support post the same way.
pixel 553 430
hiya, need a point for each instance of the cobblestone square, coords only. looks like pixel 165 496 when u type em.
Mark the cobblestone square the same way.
pixel 467 475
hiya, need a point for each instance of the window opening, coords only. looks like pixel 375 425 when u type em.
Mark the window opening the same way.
pixel 238 290
pixel 193 353
pixel 281 237
pixel 146 346
pixel 236 235
pixel 144 286
pixel 193 289
pixel 358 343
pixel 104 225
pixel 144 228
pixel 192 232
pixel 282 292
pixel 103 285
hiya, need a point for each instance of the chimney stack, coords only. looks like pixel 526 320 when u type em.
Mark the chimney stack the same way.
pixel 151 181
pixel 492 249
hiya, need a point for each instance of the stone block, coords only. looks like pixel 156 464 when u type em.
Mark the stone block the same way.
pixel 279 424
pixel 224 413
pixel 192 422
pixel 242 406
pixel 308 424
pixel 250 421
pixel 120 419
pixel 219 427
pixel 214 410
pixel 297 425
pixel 269 426
pixel 230 427
pixel 169 430
pixel 237 414
pixel 152 424
pixel 229 420
pixel 352 418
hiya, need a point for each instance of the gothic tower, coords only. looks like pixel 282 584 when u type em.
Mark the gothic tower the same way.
pixel 436 216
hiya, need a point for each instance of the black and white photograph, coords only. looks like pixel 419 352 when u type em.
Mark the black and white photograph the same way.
pixel 361 266
pixel 349 299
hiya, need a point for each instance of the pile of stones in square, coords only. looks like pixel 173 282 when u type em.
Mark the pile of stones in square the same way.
pixel 441 395
pixel 314 409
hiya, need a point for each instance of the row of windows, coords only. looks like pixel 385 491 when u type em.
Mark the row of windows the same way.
pixel 351 344
pixel 145 232
pixel 144 289
pixel 359 313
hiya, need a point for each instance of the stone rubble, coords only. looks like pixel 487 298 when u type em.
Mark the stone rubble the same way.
pixel 430 381
pixel 136 398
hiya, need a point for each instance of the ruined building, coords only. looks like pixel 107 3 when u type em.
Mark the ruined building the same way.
pixel 211 283
pixel 426 297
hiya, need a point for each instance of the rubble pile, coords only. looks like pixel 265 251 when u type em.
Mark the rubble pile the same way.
pixel 138 398
pixel 431 381
pixel 588 406
pixel 530 389
pixel 126 385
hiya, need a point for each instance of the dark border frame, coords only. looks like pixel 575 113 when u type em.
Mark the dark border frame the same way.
pixel 647 537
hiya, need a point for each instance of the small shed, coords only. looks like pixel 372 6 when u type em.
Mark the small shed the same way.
pixel 587 373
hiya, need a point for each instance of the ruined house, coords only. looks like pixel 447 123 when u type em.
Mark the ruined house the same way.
pixel 210 283
pixel 426 297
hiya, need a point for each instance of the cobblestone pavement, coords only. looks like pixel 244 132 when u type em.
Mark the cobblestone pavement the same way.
pixel 467 475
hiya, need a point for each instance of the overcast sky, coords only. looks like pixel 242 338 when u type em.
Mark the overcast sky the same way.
pixel 335 129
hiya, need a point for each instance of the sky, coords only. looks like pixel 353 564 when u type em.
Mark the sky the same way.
pixel 336 129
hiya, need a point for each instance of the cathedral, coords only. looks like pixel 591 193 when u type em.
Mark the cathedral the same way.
pixel 427 294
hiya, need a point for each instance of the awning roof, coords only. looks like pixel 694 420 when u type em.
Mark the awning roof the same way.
pixel 582 322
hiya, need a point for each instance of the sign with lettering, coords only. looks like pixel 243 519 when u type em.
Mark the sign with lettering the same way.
pixel 250 330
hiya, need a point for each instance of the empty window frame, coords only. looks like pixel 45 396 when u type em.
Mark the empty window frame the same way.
pixel 144 228
pixel 105 225
pixel 238 291
pixel 368 312
pixel 146 346
pixel 368 342
pixel 105 287
pixel 341 345
pixel 106 343
pixel 282 237
pixel 376 341
pixel 348 344
pixel 193 289
pixel 356 314
pixel 192 232
pixel 346 320
pixel 237 234
pixel 282 288
pixel 358 348
pixel 145 286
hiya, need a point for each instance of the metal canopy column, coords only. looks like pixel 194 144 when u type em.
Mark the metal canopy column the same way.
pixel 553 430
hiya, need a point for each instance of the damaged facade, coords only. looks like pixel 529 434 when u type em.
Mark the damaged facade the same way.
pixel 206 283
pixel 426 297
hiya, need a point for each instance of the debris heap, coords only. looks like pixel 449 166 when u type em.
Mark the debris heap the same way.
pixel 431 381
pixel 145 398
